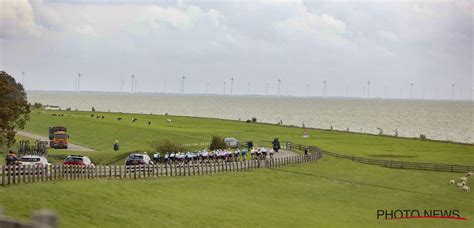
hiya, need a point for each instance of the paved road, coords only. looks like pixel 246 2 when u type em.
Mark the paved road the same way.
pixel 71 147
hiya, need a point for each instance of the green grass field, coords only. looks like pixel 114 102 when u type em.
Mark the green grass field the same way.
pixel 328 193
pixel 100 134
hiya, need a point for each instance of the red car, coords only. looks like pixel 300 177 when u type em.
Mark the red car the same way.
pixel 78 160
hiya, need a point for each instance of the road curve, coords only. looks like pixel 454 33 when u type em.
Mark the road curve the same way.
pixel 71 146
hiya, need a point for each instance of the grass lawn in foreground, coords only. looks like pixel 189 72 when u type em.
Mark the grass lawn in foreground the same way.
pixel 328 193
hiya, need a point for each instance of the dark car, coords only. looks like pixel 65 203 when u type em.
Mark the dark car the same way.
pixel 138 159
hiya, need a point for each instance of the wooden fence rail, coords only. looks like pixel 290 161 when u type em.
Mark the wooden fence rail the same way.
pixel 381 162
pixel 405 164
pixel 16 174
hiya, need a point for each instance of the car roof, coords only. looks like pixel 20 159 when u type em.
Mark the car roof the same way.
pixel 72 155
pixel 32 156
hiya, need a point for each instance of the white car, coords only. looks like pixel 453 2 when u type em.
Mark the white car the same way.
pixel 33 160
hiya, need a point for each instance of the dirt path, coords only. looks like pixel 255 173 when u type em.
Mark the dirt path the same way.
pixel 71 146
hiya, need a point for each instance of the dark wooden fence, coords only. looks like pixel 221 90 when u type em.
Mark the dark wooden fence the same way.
pixel 381 162
pixel 15 174
pixel 405 164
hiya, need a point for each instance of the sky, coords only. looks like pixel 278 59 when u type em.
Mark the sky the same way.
pixel 301 43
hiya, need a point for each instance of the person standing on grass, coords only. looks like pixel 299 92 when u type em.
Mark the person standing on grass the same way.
pixel 306 151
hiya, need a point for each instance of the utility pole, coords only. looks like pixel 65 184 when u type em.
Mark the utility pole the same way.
pixel 224 87
pixel 231 85
pixel 133 82
pixel 411 90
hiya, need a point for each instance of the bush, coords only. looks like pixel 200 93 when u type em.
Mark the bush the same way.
pixel 68 109
pixel 217 143
pixel 254 119
pixel 93 109
pixel 167 145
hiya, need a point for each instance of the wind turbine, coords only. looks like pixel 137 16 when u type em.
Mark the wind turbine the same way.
pixel 411 90
pixel 132 83
pixel 324 88
pixel 231 85
pixel 279 84
pixel 368 89
pixel 79 83
pixel 224 86
pixel 182 92
pixel 23 79
pixel 453 91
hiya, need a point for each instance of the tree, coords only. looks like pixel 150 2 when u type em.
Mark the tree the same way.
pixel 217 143
pixel 14 111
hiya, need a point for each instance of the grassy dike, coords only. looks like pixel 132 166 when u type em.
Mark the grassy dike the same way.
pixel 330 193
pixel 100 134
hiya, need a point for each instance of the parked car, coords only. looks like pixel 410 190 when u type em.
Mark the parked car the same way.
pixel 231 142
pixel 33 160
pixel 139 159
pixel 79 160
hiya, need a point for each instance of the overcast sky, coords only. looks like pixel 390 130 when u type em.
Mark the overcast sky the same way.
pixel 428 43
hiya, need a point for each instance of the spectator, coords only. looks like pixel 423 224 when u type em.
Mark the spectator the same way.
pixel 276 145
pixel 116 145
pixel 11 158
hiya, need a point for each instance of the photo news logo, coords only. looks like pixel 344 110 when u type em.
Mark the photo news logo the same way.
pixel 399 214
